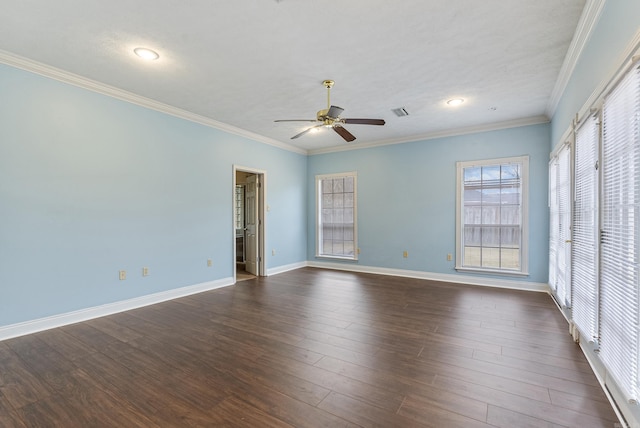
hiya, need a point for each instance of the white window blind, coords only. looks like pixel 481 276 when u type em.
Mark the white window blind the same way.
pixel 620 229
pixel 563 286
pixel 584 257
pixel 560 225
pixel 554 222
pixel 336 226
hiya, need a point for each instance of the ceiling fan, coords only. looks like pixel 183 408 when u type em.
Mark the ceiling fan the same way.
pixel 330 118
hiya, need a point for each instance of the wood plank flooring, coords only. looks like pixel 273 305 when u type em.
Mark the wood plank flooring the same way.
pixel 310 348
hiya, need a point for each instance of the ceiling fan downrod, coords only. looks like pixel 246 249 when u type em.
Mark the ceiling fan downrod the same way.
pixel 328 84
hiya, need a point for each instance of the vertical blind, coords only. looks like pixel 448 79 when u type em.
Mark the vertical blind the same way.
pixel 619 240
pixel 584 255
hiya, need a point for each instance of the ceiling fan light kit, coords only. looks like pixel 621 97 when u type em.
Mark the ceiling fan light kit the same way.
pixel 330 118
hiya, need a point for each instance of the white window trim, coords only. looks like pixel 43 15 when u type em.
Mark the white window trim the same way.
pixel 356 251
pixel 524 249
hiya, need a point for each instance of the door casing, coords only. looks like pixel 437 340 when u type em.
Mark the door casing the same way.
pixel 261 192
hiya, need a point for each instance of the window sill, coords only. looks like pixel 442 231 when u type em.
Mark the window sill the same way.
pixel 491 271
pixel 346 258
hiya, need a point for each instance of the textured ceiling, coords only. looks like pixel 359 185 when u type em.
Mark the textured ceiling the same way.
pixel 246 63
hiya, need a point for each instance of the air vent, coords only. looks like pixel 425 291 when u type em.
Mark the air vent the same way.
pixel 401 111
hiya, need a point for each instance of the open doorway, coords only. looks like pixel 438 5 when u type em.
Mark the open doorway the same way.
pixel 248 222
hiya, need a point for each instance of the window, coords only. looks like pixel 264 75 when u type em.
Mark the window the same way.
pixel 336 231
pixel 239 201
pixel 584 255
pixel 560 225
pixel 605 231
pixel 620 229
pixel 491 215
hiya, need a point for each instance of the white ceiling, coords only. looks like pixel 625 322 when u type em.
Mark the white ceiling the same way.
pixel 245 63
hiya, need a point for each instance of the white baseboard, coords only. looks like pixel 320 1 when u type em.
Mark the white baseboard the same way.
pixel 34 326
pixel 432 276
pixel 286 268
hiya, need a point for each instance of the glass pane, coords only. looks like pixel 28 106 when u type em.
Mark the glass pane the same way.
pixel 327 216
pixel 490 257
pixel 338 232
pixel 338 248
pixel 327 186
pixel 338 215
pixel 490 237
pixel 490 215
pixel 348 248
pixel 338 200
pixel 510 215
pixel 472 235
pixel 473 215
pixel 510 172
pixel 348 200
pixel 491 173
pixel 510 258
pixel 348 216
pixel 348 233
pixel 327 200
pixel 472 256
pixel 327 231
pixel 348 184
pixel 472 174
pixel 338 185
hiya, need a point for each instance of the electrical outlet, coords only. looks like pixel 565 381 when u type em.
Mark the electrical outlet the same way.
pixel 122 275
pixel 449 257
pixel 405 254
pixel 209 262
pixel 145 271
pixel 358 251
pixel 273 252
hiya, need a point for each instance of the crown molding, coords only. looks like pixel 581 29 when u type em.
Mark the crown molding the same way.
pixel 113 92
pixel 588 20
pixel 516 123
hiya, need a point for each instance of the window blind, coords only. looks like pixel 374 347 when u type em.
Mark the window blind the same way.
pixel 564 226
pixel 584 254
pixel 554 222
pixel 620 229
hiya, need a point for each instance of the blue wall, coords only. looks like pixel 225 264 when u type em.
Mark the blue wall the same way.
pixel 616 28
pixel 90 185
pixel 407 197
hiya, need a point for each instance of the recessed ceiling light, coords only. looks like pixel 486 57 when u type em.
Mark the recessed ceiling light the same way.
pixel 147 54
pixel 455 101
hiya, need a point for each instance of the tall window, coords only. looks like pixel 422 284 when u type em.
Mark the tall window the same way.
pixel 560 225
pixel 620 230
pixel 605 238
pixel 584 256
pixel 492 215
pixel 336 232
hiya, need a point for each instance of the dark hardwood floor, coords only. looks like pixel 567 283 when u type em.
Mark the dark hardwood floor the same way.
pixel 310 348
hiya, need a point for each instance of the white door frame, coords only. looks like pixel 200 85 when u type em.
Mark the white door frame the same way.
pixel 261 232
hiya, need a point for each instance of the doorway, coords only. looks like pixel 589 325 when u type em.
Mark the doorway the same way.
pixel 248 222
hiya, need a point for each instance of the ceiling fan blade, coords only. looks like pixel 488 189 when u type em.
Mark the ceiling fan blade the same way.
pixel 364 121
pixel 305 131
pixel 334 111
pixel 296 120
pixel 348 136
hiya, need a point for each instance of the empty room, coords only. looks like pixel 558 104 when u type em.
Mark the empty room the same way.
pixel 285 213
